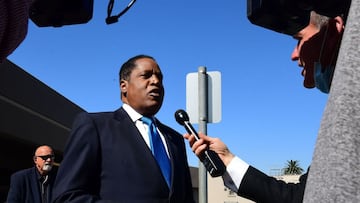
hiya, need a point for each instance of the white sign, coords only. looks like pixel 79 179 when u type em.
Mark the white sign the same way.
pixel 214 97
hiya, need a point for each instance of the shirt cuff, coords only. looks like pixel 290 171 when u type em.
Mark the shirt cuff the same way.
pixel 234 174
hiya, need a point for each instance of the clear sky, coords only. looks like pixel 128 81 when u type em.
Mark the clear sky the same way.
pixel 268 117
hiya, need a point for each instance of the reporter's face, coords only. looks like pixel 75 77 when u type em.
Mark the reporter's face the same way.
pixel 144 90
pixel 307 51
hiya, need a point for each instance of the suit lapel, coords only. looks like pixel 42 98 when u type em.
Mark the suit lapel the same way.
pixel 130 133
pixel 35 186
pixel 128 127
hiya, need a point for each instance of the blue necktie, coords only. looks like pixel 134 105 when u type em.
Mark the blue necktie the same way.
pixel 158 149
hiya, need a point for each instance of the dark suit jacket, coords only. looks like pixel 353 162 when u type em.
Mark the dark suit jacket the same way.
pixel 265 189
pixel 25 186
pixel 107 160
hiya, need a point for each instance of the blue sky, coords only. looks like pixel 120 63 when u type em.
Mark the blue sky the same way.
pixel 268 117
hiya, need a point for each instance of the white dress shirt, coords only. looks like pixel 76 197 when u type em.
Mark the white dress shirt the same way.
pixel 235 172
pixel 143 128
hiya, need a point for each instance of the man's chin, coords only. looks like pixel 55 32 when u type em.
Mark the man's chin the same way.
pixel 308 87
pixel 151 109
pixel 47 168
pixel 309 84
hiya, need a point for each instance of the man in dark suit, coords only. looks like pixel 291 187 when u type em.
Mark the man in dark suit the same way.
pixel 316 52
pixel 109 158
pixel 34 185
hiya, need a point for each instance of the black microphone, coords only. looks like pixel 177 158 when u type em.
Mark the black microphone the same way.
pixel 210 159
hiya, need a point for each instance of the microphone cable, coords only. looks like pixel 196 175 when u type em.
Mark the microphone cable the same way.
pixel 113 19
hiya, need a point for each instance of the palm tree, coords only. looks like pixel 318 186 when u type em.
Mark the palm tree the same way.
pixel 293 168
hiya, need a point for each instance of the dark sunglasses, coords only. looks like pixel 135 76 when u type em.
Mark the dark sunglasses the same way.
pixel 45 157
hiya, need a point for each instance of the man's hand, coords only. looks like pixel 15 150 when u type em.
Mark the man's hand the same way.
pixel 214 144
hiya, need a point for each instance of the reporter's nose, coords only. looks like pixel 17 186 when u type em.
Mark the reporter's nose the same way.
pixel 295 54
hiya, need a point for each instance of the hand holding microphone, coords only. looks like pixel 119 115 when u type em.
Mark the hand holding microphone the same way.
pixel 209 158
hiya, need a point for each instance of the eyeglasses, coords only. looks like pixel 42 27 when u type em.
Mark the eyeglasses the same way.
pixel 45 157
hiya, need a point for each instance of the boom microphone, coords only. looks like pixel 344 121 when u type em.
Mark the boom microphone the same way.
pixel 209 158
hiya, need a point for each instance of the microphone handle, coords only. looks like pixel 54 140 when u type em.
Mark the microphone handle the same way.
pixel 210 159
pixel 190 129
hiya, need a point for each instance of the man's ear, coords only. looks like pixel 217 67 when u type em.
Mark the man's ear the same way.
pixel 340 24
pixel 123 87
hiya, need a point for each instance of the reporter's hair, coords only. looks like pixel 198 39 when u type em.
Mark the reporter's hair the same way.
pixel 322 20
pixel 318 20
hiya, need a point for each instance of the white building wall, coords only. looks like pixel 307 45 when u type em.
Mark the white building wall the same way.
pixel 218 193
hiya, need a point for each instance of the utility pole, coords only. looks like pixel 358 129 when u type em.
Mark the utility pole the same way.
pixel 203 119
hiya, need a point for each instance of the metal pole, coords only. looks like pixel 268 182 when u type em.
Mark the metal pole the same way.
pixel 203 112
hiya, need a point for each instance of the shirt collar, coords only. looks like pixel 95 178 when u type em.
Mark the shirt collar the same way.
pixel 134 115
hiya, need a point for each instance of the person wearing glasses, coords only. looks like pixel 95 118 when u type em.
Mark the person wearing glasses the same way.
pixel 34 184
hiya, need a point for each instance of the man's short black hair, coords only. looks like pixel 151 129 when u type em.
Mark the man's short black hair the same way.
pixel 129 65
